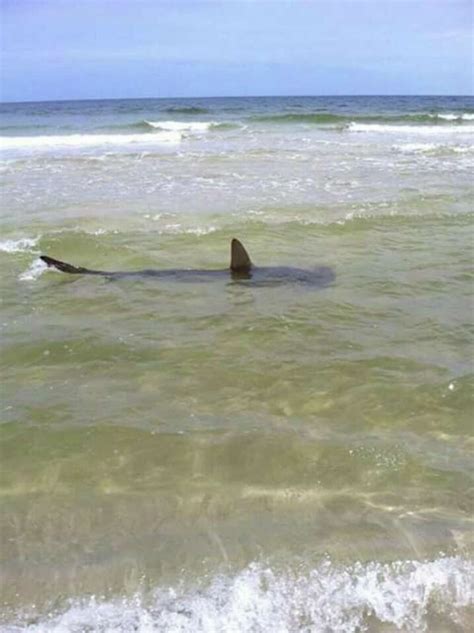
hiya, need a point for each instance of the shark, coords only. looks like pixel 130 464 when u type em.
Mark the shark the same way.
pixel 240 269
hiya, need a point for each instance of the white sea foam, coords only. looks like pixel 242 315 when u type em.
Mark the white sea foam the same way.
pixel 462 149
pixel 466 116
pixel 201 230
pixel 416 148
pixel 96 232
pixel 446 117
pixel 181 126
pixel 35 271
pixel 332 598
pixel 426 148
pixel 177 228
pixel 22 245
pixel 87 140
pixel 410 129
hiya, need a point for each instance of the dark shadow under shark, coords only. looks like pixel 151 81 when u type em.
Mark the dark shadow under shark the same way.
pixel 240 269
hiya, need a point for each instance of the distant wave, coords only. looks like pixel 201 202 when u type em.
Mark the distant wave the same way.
pixel 300 118
pixel 321 118
pixel 186 110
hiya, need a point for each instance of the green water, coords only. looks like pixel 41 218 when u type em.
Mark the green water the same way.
pixel 289 450
pixel 149 426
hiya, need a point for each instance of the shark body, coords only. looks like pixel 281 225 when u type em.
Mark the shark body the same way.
pixel 240 269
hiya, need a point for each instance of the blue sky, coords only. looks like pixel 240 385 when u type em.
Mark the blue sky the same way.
pixel 65 49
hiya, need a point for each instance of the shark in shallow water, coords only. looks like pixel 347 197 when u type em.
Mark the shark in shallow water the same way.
pixel 241 269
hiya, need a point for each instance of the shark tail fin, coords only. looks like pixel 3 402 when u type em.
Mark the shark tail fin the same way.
pixel 239 258
pixel 66 268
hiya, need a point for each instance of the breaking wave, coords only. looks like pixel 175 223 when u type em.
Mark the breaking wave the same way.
pixel 190 127
pixel 180 126
pixel 151 133
pixel 407 595
pixel 466 116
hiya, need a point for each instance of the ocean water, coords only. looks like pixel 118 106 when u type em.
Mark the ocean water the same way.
pixel 223 456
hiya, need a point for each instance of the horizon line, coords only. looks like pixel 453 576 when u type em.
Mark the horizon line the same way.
pixel 276 96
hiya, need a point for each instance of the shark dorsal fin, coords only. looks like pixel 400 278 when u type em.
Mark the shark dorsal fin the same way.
pixel 239 258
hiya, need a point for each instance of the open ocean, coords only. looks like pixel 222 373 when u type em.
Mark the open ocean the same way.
pixel 222 456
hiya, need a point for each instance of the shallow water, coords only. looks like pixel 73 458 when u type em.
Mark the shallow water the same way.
pixel 219 455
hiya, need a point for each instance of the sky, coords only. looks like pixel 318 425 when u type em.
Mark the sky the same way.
pixel 81 49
